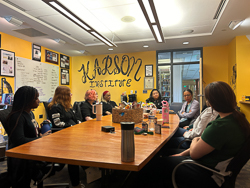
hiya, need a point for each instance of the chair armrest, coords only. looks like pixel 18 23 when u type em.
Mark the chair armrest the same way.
pixel 185 140
pixel 190 161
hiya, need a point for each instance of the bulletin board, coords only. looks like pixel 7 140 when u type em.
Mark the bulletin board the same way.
pixel 44 77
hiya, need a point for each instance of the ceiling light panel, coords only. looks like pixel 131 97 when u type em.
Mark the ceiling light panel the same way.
pixel 62 9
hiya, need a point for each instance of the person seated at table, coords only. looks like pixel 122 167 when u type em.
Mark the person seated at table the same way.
pixel 86 106
pixel 107 104
pixel 22 128
pixel 155 97
pixel 192 131
pixel 190 109
pixel 61 113
pixel 220 142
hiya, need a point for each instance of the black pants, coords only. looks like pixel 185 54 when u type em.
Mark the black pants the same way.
pixel 21 171
pixel 74 174
pixel 184 123
pixel 158 173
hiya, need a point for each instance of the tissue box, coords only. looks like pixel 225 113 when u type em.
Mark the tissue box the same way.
pixel 127 115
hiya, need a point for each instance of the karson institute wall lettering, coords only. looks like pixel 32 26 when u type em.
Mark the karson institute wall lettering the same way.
pixel 125 67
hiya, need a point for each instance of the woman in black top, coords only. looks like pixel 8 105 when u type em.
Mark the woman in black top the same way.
pixel 60 109
pixel 107 104
pixel 62 115
pixel 23 128
pixel 86 107
pixel 155 97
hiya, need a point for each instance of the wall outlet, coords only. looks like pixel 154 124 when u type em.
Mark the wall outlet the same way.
pixel 40 116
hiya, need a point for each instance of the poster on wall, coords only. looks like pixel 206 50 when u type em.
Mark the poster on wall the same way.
pixel 7 63
pixel 64 61
pixel 148 70
pixel 149 83
pixel 51 57
pixel 64 77
pixel 36 52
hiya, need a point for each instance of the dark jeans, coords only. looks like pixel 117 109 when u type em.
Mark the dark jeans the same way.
pixel 176 139
pixel 158 173
pixel 184 123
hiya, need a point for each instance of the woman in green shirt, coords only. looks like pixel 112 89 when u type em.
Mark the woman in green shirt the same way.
pixel 219 143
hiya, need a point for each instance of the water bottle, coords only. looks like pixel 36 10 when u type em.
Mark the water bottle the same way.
pixel 165 112
pixel 127 142
pixel 46 126
pixel 151 123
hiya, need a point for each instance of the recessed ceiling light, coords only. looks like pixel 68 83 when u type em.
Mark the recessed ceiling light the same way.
pixel 185 43
pixel 187 31
pixel 145 46
pixel 111 49
pixel 128 19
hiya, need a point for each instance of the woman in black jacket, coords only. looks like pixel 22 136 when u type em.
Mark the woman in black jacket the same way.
pixel 62 115
pixel 22 128
pixel 107 104
pixel 155 97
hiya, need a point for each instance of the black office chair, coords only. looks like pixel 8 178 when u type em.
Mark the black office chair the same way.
pixel 232 170
pixel 53 129
pixel 77 109
pixel 176 106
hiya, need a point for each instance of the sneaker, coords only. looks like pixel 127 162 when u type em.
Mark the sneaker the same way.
pixel 79 186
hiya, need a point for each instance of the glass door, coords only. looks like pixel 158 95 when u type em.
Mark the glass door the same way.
pixel 164 82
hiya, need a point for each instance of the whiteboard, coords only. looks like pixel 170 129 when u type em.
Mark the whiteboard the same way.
pixel 44 77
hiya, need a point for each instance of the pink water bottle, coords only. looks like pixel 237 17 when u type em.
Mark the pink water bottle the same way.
pixel 165 112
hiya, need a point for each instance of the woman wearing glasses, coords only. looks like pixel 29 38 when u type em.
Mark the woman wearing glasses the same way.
pixel 190 109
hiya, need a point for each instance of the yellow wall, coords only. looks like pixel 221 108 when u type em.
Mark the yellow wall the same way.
pixel 215 64
pixel 243 71
pixel 232 64
pixel 144 58
pixel 23 49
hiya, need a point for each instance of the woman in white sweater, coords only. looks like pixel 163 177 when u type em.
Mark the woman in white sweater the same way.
pixel 199 125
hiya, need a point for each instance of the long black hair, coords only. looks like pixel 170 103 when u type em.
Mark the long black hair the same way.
pixel 151 95
pixel 23 99
pixel 221 97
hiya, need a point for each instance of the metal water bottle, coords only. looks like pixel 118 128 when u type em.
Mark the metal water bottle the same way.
pixel 165 112
pixel 127 142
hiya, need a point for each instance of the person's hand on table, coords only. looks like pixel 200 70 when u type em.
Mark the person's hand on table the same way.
pixel 46 133
pixel 107 112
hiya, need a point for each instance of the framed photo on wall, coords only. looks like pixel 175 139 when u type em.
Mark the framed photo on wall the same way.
pixel 148 70
pixel 7 63
pixel 51 57
pixel 149 83
pixel 64 61
pixel 64 77
pixel 36 52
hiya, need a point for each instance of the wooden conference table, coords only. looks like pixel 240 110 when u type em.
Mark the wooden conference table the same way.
pixel 86 145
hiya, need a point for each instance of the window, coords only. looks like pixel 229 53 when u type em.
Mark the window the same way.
pixel 178 70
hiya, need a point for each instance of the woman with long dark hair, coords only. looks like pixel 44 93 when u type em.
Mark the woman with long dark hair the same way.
pixel 22 128
pixel 155 97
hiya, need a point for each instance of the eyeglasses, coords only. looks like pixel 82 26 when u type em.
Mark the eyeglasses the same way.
pixel 187 95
